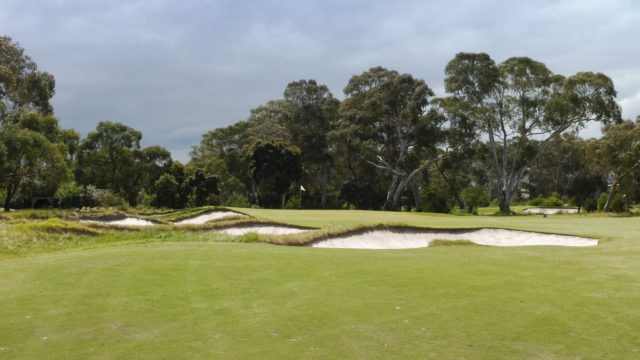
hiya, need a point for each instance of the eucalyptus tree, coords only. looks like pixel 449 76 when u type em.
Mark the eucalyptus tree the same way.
pixel 392 129
pixel 520 101
pixel 311 116
pixel 274 166
pixel 106 159
pixel 618 153
pixel 22 85
pixel 32 157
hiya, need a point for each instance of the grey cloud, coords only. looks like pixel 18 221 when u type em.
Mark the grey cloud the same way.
pixel 175 70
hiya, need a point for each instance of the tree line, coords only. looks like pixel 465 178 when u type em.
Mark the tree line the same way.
pixel 503 132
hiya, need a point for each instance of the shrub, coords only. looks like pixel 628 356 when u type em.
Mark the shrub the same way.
pixel 102 197
pixel 473 197
pixel 293 202
pixel 237 201
pixel 70 195
pixel 590 204
pixel 537 201
pixel 552 201
pixel 618 205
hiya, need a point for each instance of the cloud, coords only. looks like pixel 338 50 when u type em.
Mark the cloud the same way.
pixel 175 70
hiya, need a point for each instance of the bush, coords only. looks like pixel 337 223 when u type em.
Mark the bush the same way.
pixel 293 202
pixel 473 197
pixel 537 201
pixel 237 201
pixel 618 204
pixel 102 197
pixel 552 201
pixel 590 204
pixel 70 195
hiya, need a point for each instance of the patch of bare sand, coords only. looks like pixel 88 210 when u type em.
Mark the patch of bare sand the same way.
pixel 206 217
pixel 413 238
pixel 128 221
pixel 261 229
pixel 550 210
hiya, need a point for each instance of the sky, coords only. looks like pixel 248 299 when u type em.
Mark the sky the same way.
pixel 177 69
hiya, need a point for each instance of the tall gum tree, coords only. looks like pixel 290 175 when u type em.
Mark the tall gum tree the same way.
pixel 22 86
pixel 312 115
pixel 395 132
pixel 519 101
pixel 618 153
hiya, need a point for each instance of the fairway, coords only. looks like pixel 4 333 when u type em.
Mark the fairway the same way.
pixel 179 299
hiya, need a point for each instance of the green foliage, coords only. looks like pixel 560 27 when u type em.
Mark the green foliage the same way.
pixel 551 201
pixel 590 204
pixel 70 195
pixel 474 197
pixel 167 191
pixel 102 197
pixel 602 200
pixel 203 186
pixel 618 205
pixel 238 200
pixel 434 200
pixel 293 202
pixel 22 86
pixel 274 166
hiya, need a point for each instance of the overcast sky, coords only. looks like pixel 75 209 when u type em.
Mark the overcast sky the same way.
pixel 177 69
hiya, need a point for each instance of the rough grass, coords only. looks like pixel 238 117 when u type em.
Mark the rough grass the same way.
pixel 186 294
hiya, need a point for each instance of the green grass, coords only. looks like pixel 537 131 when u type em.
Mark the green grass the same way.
pixel 188 294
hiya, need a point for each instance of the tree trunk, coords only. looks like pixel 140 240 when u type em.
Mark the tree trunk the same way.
pixel 7 203
pixel 612 196
pixel 504 202
pixel 389 204
pixel 11 191
pixel 284 197
pixel 416 193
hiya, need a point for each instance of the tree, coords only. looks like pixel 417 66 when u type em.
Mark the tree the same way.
pixel 29 160
pixel 22 86
pixel 167 191
pixel 313 112
pixel 203 185
pixel 475 196
pixel 585 185
pixel 106 159
pixel 519 101
pixel 151 163
pixel 393 131
pixel 618 153
pixel 274 167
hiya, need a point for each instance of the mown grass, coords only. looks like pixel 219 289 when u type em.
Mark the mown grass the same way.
pixel 180 293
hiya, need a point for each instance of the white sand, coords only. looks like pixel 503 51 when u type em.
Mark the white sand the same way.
pixel 261 229
pixel 201 219
pixel 411 239
pixel 128 221
pixel 551 211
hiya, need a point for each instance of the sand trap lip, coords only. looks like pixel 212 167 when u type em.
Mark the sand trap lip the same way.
pixel 127 221
pixel 206 217
pixel 261 229
pixel 419 238
pixel 550 210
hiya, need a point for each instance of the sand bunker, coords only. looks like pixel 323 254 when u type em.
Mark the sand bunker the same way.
pixel 128 221
pixel 261 229
pixel 550 211
pixel 204 218
pixel 413 238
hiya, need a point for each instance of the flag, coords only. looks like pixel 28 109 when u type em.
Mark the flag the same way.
pixel 302 188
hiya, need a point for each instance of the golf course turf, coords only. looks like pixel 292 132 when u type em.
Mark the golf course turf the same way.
pixel 185 294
